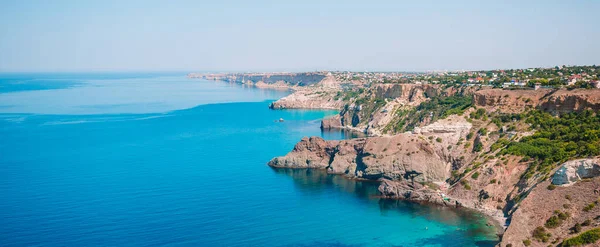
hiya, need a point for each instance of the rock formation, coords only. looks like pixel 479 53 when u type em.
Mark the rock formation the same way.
pixel 552 100
pixel 309 98
pixel 573 171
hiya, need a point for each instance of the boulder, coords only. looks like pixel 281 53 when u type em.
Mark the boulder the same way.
pixel 572 171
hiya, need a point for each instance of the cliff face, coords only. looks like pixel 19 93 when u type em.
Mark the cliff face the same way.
pixel 412 94
pixel 555 101
pixel 317 98
pixel 418 157
pixel 437 162
pixel 575 100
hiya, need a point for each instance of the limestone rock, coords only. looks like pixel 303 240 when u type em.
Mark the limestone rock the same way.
pixel 572 171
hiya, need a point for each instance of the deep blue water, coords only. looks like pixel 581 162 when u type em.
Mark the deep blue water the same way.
pixel 183 163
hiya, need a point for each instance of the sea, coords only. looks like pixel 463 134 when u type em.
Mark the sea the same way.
pixel 158 159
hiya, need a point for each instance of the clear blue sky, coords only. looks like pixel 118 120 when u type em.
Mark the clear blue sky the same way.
pixel 123 35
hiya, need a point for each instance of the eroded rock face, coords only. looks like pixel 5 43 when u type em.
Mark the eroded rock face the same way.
pixel 334 122
pixel 313 98
pixel 403 156
pixel 555 101
pixel 407 92
pixel 575 100
pixel 572 171
pixel 311 152
pixel 510 101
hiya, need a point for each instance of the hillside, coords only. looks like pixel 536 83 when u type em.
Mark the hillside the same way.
pixel 492 150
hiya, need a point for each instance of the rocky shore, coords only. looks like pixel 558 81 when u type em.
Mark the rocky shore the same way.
pixel 409 166
pixel 437 162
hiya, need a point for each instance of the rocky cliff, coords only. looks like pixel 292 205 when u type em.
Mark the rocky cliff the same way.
pixel 552 100
pixel 551 213
pixel 313 98
pixel 458 160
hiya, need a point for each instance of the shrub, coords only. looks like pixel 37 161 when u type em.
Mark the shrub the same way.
pixel 493 181
pixel 587 237
pixel 477 114
pixel 553 222
pixel 438 139
pixel 482 131
pixel 556 220
pixel 572 135
pixel 589 207
pixel 540 234
pixel 475 175
pixel 470 135
pixel 527 242
pixel 577 228
pixel 465 184
pixel 563 215
pixel 551 187
pixel 478 147
pixel 586 222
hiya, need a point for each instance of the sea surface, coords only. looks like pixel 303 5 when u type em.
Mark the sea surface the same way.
pixel 156 159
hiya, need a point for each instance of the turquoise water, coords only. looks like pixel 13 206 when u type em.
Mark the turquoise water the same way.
pixel 182 162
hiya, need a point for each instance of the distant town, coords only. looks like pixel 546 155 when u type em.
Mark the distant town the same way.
pixel 554 77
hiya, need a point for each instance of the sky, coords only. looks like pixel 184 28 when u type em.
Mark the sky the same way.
pixel 307 35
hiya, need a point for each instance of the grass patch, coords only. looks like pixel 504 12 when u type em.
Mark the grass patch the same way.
pixel 587 237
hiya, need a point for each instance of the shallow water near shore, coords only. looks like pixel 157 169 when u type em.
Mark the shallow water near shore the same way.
pixel 153 160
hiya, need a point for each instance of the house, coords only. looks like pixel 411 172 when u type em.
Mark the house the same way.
pixel 537 86
pixel 573 79
pixel 595 84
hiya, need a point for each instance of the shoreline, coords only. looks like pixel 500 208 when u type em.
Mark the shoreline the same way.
pixel 490 220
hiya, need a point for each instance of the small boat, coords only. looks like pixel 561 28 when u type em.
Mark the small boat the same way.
pixel 281 120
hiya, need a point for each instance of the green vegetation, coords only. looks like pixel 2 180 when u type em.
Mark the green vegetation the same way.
pixel 551 187
pixel 348 94
pixel 502 142
pixel 589 207
pixel 541 234
pixel 556 220
pixel 477 147
pixel 368 105
pixel 587 237
pixel 527 242
pixel 470 135
pixel 465 184
pixel 438 107
pixel 475 175
pixel 482 131
pixel 438 139
pixel 557 139
pixel 477 114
